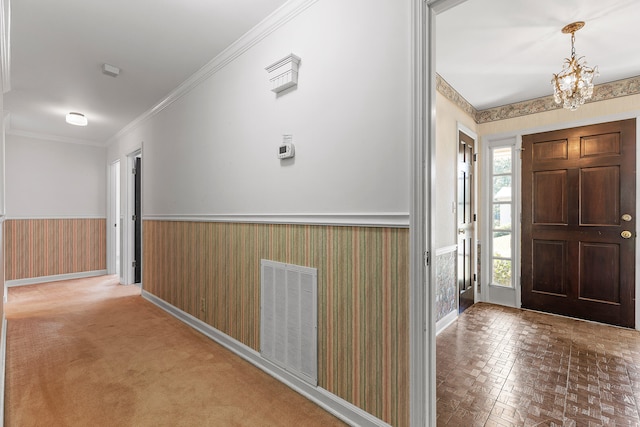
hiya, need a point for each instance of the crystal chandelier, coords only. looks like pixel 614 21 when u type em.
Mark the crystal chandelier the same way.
pixel 574 84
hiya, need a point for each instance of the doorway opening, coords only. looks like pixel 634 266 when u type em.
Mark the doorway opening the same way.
pixel 137 220
pixel 466 219
pixel 132 225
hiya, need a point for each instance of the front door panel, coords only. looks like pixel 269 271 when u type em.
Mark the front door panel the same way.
pixel 578 222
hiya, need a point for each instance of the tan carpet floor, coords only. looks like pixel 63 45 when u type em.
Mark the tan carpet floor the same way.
pixel 91 352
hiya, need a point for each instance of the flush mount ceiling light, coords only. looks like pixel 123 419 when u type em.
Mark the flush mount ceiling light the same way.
pixel 76 119
pixel 574 84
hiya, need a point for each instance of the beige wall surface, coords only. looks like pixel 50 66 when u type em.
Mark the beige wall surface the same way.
pixel 448 116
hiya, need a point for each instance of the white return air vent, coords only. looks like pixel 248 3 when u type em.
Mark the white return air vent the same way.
pixel 288 321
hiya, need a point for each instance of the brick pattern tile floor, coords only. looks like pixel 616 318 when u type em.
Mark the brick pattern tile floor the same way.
pixel 498 366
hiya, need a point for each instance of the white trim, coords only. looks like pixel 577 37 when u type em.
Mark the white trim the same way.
pixel 422 324
pixel 3 162
pixel 471 134
pixel 5 44
pixel 277 19
pixel 446 321
pixel 9 217
pixel 420 303
pixel 517 228
pixel 509 296
pixel 440 6
pixel 54 138
pixel 637 295
pixel 446 249
pixel 328 401
pixel 399 220
pixel 3 366
pixel 113 216
pixel 54 278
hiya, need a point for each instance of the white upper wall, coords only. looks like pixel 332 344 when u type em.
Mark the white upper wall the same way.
pixel 213 151
pixel 52 179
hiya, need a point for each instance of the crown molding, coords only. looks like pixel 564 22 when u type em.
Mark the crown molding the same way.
pixel 277 19
pixel 5 44
pixel 454 96
pixel 54 138
pixel 601 92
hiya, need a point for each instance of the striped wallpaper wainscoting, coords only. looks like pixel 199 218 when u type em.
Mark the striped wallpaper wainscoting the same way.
pixel 363 295
pixel 49 247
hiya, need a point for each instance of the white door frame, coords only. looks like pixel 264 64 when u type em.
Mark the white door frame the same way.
pixel 422 324
pixel 422 293
pixel 492 293
pixel 113 217
pixel 128 228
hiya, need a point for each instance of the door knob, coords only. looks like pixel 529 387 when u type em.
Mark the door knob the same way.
pixel 460 230
pixel 626 234
pixel 627 217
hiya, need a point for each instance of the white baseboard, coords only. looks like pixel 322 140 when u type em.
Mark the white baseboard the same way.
pixel 446 321
pixel 3 364
pixel 45 279
pixel 333 404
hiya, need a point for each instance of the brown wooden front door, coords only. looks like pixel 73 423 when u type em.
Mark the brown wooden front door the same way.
pixel 578 203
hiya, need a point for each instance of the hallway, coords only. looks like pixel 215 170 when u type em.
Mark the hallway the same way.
pixel 91 352
pixel 498 366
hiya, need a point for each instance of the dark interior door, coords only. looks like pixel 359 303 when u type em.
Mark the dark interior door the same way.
pixel 137 218
pixel 578 222
pixel 465 221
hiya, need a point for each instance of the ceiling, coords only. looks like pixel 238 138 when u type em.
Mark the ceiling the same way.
pixel 493 52
pixel 496 52
pixel 58 48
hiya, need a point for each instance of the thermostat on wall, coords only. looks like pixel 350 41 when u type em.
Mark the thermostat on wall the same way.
pixel 286 149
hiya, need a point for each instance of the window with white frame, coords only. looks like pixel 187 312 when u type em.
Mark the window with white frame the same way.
pixel 502 209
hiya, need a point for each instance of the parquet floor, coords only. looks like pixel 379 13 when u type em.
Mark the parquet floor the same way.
pixel 498 366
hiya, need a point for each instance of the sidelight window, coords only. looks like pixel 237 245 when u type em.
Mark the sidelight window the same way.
pixel 502 209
